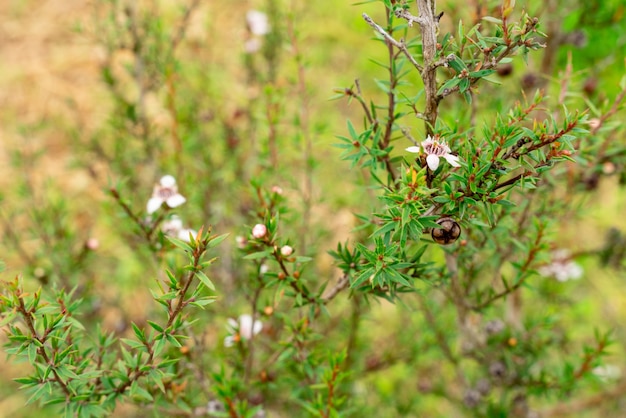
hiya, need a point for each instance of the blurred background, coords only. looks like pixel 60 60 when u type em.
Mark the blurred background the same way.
pixel 103 94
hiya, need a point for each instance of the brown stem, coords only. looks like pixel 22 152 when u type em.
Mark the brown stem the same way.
pixel 428 24
pixel 28 319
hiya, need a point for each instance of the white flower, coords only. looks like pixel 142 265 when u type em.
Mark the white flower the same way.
pixel 241 329
pixel 259 231
pixel 435 149
pixel 562 267
pixel 607 372
pixel 286 250
pixel 174 228
pixel 252 45
pixel 258 23
pixel 263 268
pixel 165 192
pixel 241 241
pixel 92 244
pixel 277 190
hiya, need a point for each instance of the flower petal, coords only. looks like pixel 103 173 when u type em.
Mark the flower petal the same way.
pixel 452 159
pixel 258 326
pixel 229 341
pixel 413 149
pixel 175 200
pixel 433 161
pixel 233 325
pixel 245 326
pixel 167 181
pixel 154 204
pixel 183 234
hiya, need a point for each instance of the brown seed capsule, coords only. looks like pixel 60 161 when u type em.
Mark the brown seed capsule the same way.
pixel 448 232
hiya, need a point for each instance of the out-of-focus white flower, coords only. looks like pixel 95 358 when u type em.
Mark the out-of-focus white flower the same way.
pixel 214 406
pixel 174 228
pixel 241 241
pixel 252 45
pixel 258 23
pixel 243 328
pixel 277 189
pixel 594 123
pixel 92 244
pixel 263 268
pixel 165 192
pixel 286 250
pixel 562 267
pixel 607 372
pixel 434 148
pixel 259 231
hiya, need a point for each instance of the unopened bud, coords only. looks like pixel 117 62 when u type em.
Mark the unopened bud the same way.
pixel 286 250
pixel 241 241
pixel 92 244
pixel 259 231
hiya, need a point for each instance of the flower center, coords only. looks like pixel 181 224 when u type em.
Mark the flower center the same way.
pixel 435 148
pixel 166 192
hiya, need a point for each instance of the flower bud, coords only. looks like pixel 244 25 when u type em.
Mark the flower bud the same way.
pixel 259 231
pixel 92 244
pixel 241 241
pixel 286 250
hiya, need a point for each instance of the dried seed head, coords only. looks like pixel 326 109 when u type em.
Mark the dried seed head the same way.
pixel 448 232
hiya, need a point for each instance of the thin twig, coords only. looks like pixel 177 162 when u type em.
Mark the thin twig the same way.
pixel 398 44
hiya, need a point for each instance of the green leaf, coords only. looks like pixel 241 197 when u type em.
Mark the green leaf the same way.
pixel 215 241
pixel 205 280
pixel 180 244
pixel 257 255
pixel 449 85
pixel 155 326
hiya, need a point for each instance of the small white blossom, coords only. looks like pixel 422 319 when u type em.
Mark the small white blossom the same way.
pixel 434 148
pixel 241 329
pixel 286 250
pixel 214 406
pixel 241 241
pixel 594 123
pixel 252 45
pixel 264 268
pixel 165 192
pixel 607 372
pixel 258 23
pixel 92 244
pixel 259 231
pixel 562 267
pixel 277 189
pixel 174 228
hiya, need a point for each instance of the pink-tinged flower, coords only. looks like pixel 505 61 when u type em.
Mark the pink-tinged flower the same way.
pixel 252 45
pixel 562 267
pixel 92 244
pixel 258 23
pixel 286 250
pixel 594 123
pixel 241 242
pixel 277 189
pixel 174 228
pixel 165 192
pixel 434 148
pixel 259 231
pixel 243 328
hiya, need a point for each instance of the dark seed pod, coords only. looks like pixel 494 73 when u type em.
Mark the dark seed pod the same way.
pixel 448 232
